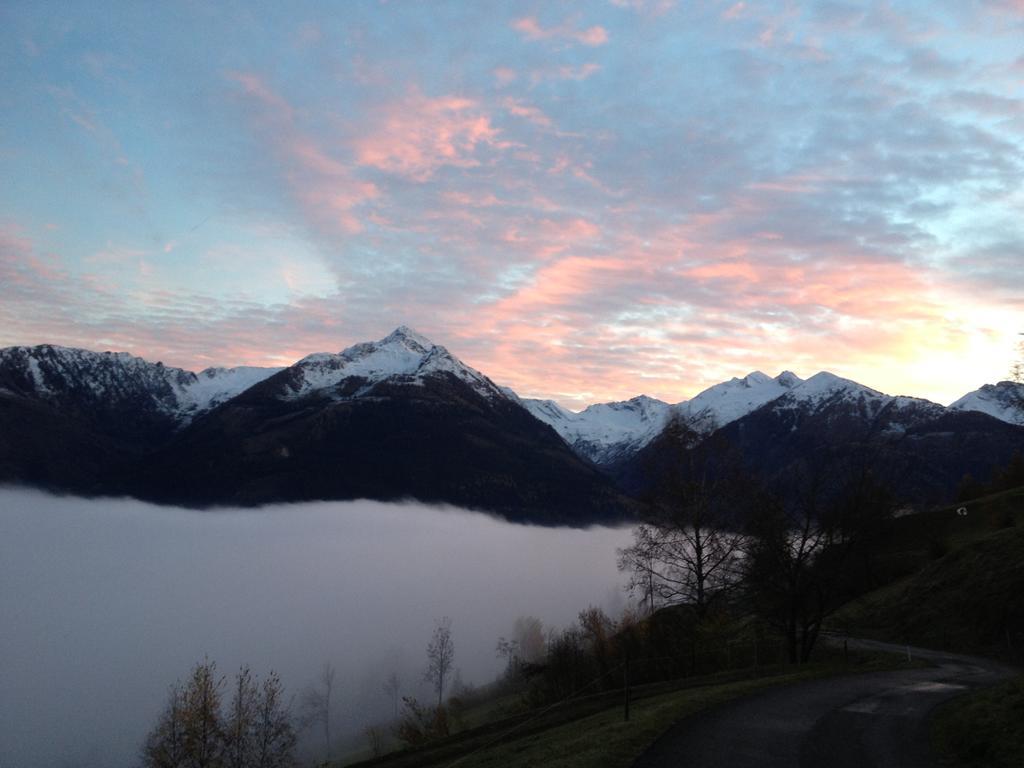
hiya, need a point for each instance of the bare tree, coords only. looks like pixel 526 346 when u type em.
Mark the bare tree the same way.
pixel 165 744
pixel 801 542
pixel 273 733
pixel 1017 367
pixel 204 730
pixel 688 549
pixel 418 724
pixel 528 633
pixel 192 732
pixel 1017 377
pixel 596 632
pixel 392 687
pixel 240 723
pixel 508 650
pixel 440 656
pixel 258 732
pixel 527 645
pixel 316 705
pixel 375 735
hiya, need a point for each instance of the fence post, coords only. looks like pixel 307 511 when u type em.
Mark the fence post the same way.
pixel 626 686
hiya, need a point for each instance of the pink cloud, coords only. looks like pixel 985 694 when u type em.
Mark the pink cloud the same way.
pixel 527 112
pixel 581 327
pixel 504 76
pixel 734 11
pixel 542 240
pixel 531 30
pixel 581 72
pixel 336 193
pixel 1011 7
pixel 565 72
pixel 416 136
pixel 646 7
pixel 486 200
pixel 742 270
pixel 253 85
pixel 327 189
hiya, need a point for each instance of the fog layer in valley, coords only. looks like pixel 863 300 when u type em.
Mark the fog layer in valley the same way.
pixel 105 603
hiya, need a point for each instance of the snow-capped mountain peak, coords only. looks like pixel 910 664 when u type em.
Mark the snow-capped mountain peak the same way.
pixel 754 379
pixel 733 399
pixel 213 386
pixel 788 379
pixel 106 379
pixel 604 431
pixel 403 334
pixel 824 389
pixel 403 355
pixel 1004 401
pixel 824 385
pixel 825 392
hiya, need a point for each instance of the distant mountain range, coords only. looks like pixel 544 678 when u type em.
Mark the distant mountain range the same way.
pixel 403 418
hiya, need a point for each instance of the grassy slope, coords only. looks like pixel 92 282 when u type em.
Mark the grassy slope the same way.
pixel 967 590
pixel 591 732
pixel 983 730
pixel 966 593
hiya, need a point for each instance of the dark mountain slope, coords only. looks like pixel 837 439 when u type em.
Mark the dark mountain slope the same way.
pixel 920 450
pixel 435 440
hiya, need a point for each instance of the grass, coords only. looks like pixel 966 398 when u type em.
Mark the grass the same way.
pixel 966 594
pixel 913 541
pixel 983 729
pixel 591 732
pixel 970 600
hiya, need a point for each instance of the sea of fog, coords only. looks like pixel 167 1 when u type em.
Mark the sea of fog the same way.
pixel 106 603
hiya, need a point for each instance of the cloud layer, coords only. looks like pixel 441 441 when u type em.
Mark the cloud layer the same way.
pixel 585 203
pixel 109 602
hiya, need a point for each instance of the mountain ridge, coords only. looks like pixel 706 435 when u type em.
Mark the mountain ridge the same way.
pixel 396 418
pixel 402 416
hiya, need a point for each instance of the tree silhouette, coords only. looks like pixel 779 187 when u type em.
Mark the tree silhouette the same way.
pixel 440 656
pixel 801 542
pixel 391 688
pixel 316 705
pixel 1017 367
pixel 193 732
pixel 687 550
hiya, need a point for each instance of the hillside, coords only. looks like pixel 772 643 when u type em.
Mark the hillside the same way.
pixel 965 586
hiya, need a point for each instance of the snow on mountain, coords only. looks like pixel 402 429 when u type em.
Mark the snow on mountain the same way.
pixel 824 387
pixel 57 373
pixel 551 413
pixel 1004 401
pixel 403 356
pixel 607 431
pixel 735 398
pixel 604 431
pixel 213 386
pixel 826 392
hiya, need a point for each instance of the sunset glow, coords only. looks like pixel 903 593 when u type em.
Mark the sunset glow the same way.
pixel 586 202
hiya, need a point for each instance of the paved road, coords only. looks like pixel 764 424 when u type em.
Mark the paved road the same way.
pixel 876 719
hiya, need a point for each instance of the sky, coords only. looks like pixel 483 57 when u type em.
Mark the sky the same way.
pixel 585 201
